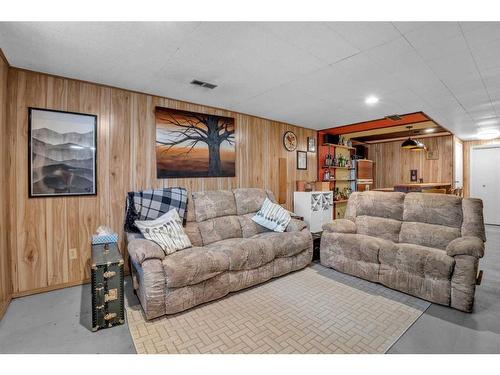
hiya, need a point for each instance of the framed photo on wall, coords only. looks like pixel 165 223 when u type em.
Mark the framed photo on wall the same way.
pixel 62 153
pixel 311 144
pixel 302 160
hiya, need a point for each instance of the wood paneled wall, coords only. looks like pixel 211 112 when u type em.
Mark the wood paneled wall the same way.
pixel 44 230
pixel 467 147
pixel 5 275
pixel 393 165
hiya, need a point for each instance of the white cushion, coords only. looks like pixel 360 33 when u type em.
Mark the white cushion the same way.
pixel 166 231
pixel 272 216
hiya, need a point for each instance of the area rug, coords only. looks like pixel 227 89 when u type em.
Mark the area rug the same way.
pixel 315 310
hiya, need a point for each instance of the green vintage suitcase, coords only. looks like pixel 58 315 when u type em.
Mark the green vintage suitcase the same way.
pixel 107 286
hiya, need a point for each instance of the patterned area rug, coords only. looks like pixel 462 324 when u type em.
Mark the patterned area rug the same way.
pixel 315 310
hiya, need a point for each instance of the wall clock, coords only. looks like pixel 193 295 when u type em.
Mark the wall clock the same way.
pixel 290 141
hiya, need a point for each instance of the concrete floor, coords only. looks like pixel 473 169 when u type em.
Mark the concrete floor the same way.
pixel 59 321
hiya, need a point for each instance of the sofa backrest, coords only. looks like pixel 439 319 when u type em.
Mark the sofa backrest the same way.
pixel 221 214
pixel 378 214
pixel 423 219
pixel 432 220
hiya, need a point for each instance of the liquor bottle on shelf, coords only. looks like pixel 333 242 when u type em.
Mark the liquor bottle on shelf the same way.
pixel 328 160
pixel 326 175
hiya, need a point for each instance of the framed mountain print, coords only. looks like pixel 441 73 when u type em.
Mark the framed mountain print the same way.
pixel 62 153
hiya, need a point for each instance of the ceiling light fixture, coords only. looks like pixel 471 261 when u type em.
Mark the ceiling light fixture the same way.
pixel 487 134
pixel 420 147
pixel 430 130
pixel 371 100
pixel 409 143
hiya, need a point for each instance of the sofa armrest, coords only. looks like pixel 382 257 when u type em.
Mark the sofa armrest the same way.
pixel 141 249
pixel 468 245
pixel 340 226
pixel 295 225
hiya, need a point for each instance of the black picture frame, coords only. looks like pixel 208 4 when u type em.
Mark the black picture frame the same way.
pixel 35 193
pixel 301 155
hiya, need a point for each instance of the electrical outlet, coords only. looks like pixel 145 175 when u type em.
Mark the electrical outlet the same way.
pixel 73 254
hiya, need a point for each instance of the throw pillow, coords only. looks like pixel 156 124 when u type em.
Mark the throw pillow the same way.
pixel 166 231
pixel 272 216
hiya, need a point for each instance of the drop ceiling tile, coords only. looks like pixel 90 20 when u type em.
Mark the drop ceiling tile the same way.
pixel 365 35
pixel 314 37
pixel 489 32
pixel 406 27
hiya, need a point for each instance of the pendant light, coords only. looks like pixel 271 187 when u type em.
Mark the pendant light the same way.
pixel 420 147
pixel 409 143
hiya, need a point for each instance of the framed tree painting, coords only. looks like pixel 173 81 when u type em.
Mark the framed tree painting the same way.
pixel 190 144
pixel 62 153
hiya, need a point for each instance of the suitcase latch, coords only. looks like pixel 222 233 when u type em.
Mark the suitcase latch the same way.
pixel 109 274
pixel 111 295
pixel 109 316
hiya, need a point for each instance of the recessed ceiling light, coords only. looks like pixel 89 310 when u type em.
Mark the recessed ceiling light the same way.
pixel 486 134
pixel 430 130
pixel 371 100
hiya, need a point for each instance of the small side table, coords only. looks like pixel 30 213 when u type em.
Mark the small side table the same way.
pixel 316 245
pixel 107 286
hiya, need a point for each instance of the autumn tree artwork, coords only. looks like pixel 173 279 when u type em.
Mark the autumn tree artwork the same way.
pixel 190 144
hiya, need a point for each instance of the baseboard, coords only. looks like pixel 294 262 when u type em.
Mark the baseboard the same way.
pixel 4 306
pixel 53 287
pixel 49 288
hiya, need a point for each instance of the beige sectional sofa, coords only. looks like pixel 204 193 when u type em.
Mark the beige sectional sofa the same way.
pixel 230 252
pixel 427 245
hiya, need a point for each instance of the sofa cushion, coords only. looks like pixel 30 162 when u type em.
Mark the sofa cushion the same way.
pixel 380 227
pixel 287 243
pixel 211 204
pixel 420 260
pixel 219 228
pixel 244 253
pixel 249 227
pixel 249 199
pixel 355 254
pixel 436 209
pixel 381 204
pixel 473 221
pixel 192 230
pixel 418 270
pixel 356 246
pixel 437 236
pixel 193 265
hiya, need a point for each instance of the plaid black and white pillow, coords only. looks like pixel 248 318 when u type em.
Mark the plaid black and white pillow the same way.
pixel 152 203
pixel 272 216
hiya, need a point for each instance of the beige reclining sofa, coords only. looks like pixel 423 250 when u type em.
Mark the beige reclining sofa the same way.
pixel 230 252
pixel 426 245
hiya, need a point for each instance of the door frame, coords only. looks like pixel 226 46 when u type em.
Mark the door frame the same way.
pixel 472 149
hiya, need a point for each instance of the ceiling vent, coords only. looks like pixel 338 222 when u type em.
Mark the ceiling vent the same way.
pixel 203 84
pixel 394 117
